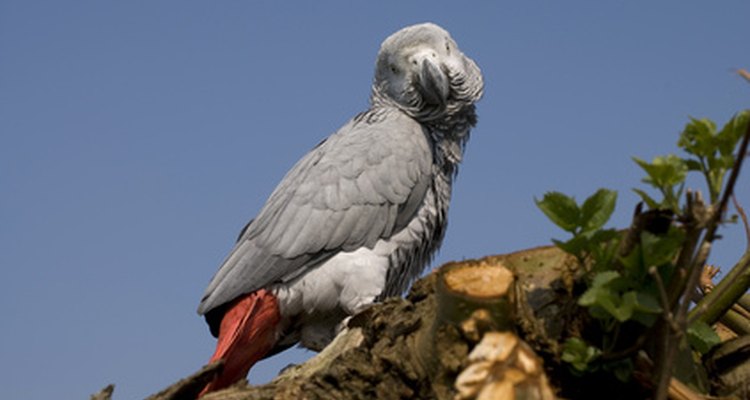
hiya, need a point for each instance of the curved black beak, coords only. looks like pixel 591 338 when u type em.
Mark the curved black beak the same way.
pixel 432 82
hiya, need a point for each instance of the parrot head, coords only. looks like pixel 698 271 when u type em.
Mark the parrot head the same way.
pixel 421 70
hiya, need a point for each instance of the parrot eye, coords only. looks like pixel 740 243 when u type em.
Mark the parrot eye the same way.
pixel 448 47
pixel 394 69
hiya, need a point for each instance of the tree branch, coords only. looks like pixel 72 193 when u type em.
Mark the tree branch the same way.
pixel 671 338
pixel 725 294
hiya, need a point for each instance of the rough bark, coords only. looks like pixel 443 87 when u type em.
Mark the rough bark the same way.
pixel 417 346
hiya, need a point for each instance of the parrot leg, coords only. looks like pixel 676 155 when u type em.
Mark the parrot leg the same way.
pixel 249 330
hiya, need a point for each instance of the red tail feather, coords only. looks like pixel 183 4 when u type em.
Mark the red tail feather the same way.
pixel 248 332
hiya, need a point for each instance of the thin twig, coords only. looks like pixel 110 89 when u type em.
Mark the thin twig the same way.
pixel 707 278
pixel 729 189
pixel 741 311
pixel 669 329
pixel 743 73
pixel 663 297
pixel 743 216
pixel 735 323
pixel 104 394
pixel 695 274
pixel 626 352
pixel 692 236
pixel 665 368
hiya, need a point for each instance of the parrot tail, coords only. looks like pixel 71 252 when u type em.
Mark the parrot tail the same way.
pixel 249 330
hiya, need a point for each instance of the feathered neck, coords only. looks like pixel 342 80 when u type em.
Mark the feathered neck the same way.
pixel 449 126
pixel 444 117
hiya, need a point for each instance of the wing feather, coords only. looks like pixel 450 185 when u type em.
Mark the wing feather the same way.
pixel 363 183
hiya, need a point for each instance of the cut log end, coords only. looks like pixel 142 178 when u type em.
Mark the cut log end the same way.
pixel 465 287
pixel 502 366
pixel 479 280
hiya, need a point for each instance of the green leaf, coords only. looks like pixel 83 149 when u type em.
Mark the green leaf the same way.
pixel 576 246
pixel 646 302
pixel 732 132
pixel 664 171
pixel 699 137
pixel 650 202
pixel 624 310
pixel 579 354
pixel 721 163
pixel 599 296
pixel 598 292
pixel 727 161
pixel 561 209
pixel 693 165
pixel 603 295
pixel 646 308
pixel 662 249
pixel 604 278
pixel 702 337
pixel 650 171
pixel 590 297
pixel 633 263
pixel 622 369
pixel 597 209
pixel 605 235
pixel 645 319
pixel 603 246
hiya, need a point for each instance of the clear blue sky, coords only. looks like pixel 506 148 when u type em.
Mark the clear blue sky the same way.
pixel 137 138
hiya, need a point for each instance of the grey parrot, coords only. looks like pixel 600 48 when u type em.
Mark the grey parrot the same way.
pixel 358 218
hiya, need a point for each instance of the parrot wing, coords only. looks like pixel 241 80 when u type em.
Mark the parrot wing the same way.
pixel 363 183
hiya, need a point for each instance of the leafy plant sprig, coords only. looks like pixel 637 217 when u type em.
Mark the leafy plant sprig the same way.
pixel 583 221
pixel 709 152
pixel 630 288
